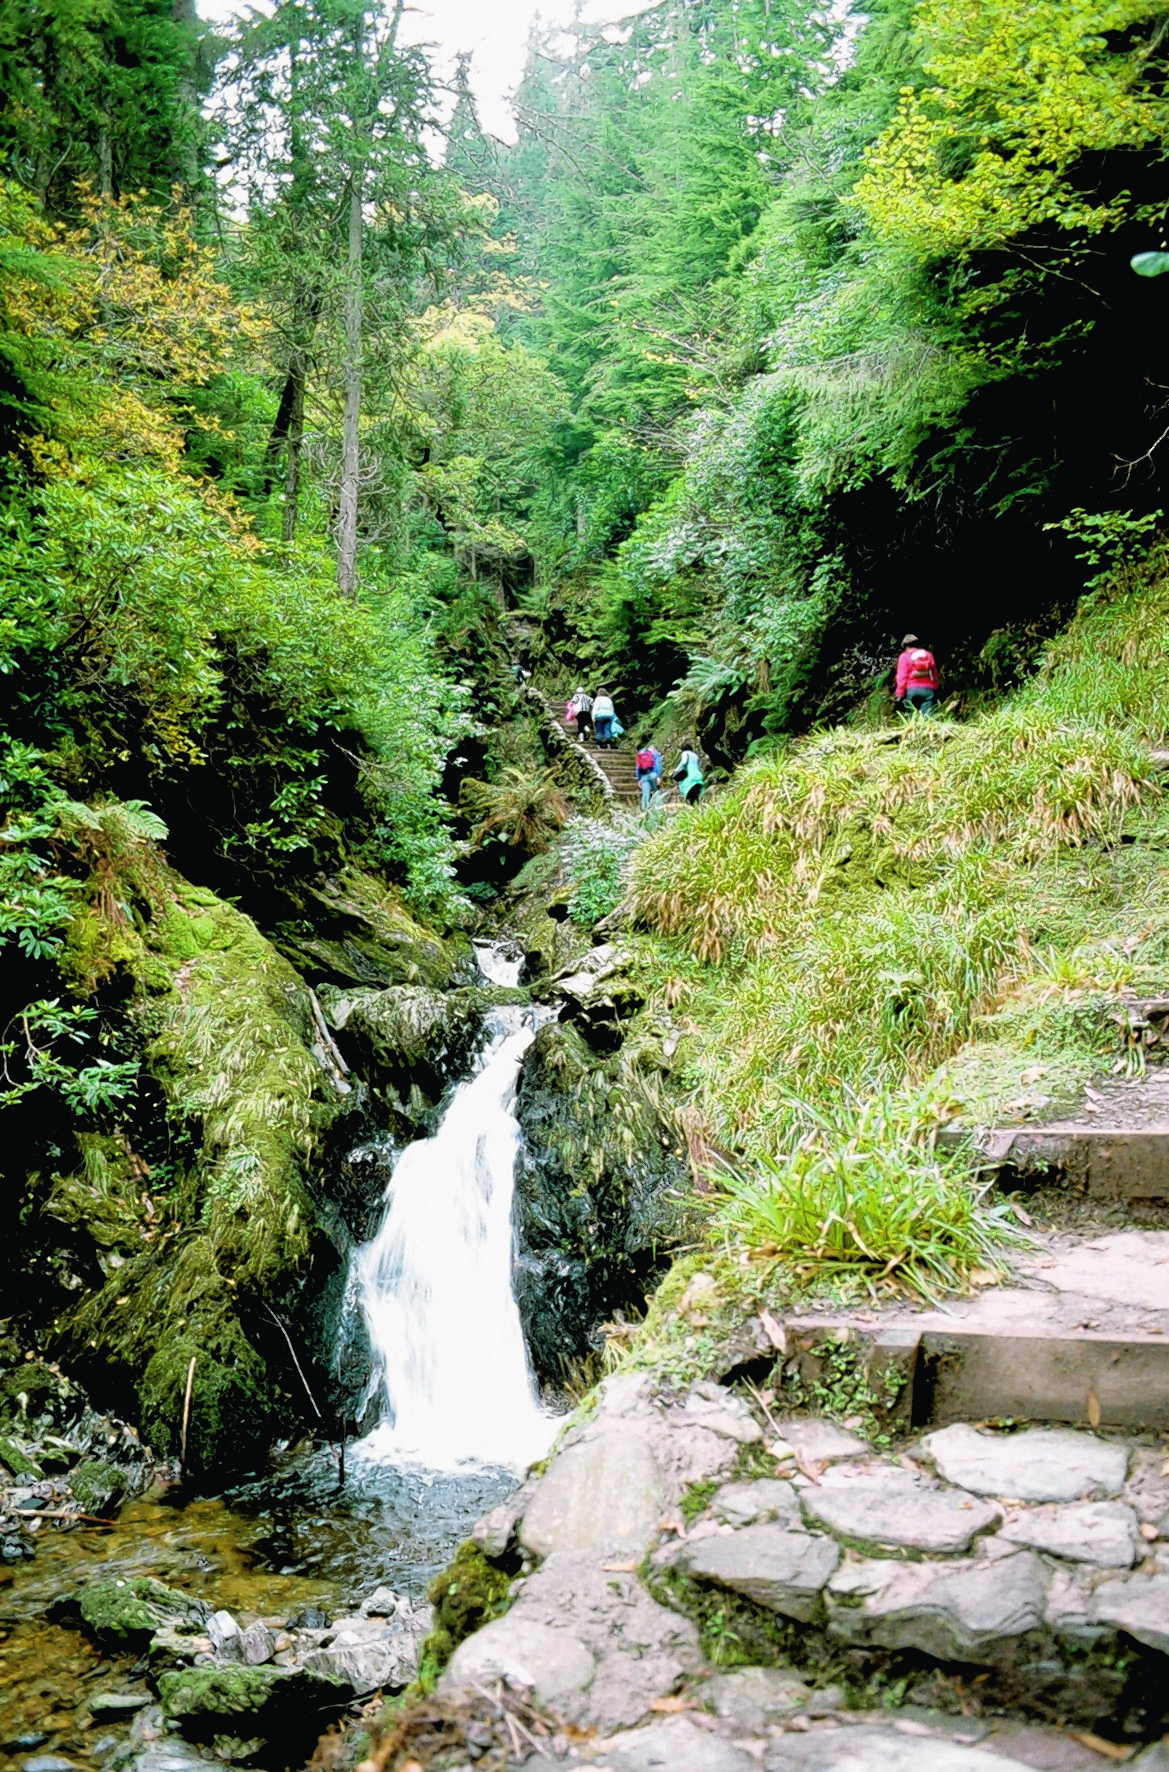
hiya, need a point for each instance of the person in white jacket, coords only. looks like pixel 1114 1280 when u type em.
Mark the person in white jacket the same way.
pixel 604 713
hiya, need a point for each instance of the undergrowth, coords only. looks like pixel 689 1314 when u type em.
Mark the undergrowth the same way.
pixel 875 933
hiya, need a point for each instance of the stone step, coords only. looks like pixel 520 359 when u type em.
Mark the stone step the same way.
pixel 1023 1571
pixel 617 766
pixel 1080 1334
pixel 1114 1146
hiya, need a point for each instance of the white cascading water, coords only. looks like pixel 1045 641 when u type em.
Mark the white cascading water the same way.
pixel 435 1283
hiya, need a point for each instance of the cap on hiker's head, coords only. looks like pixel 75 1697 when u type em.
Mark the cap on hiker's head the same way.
pixel 910 640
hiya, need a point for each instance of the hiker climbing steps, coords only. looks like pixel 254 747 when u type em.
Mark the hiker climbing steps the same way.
pixel 616 765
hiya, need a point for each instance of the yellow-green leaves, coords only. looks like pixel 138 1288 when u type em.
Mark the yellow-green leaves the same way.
pixel 1022 91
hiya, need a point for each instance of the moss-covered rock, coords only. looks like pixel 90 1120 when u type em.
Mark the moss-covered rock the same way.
pixel 136 1338
pixel 98 1486
pixel 208 1700
pixel 228 1033
pixel 468 1593
pixel 356 930
pixel 537 911
pixel 126 1614
pixel 35 1391
pixel 233 1050
pixel 16 1462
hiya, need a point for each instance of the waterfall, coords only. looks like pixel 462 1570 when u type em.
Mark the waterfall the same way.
pixel 435 1283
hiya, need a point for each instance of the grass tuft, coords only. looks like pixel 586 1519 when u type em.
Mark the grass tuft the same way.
pixel 866 1194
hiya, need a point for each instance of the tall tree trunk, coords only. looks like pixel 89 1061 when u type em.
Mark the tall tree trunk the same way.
pixel 347 513
pixel 185 149
pixel 295 441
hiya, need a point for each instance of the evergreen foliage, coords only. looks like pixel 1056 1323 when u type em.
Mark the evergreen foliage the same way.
pixel 843 306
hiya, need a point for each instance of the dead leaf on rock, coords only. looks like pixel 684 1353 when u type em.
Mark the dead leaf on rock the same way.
pixel 1093 1409
pixel 672 1702
pixel 774 1331
pixel 632 1568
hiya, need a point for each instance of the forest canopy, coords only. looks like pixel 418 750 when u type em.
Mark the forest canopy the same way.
pixel 779 329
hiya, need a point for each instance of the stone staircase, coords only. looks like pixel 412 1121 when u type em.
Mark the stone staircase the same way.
pixel 617 766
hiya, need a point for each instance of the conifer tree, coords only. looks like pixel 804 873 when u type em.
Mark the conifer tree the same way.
pixel 346 215
pixel 101 90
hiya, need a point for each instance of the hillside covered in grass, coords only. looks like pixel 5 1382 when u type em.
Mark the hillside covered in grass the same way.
pixel 875 933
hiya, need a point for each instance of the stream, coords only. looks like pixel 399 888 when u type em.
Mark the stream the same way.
pixel 461 1419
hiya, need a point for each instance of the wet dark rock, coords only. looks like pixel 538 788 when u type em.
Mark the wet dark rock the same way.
pixel 409 1041
pixel 597 995
pixel 597 1190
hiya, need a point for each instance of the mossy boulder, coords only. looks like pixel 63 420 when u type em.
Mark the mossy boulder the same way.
pixel 537 911
pixel 356 930
pixel 98 1486
pixel 126 1614
pixel 228 1033
pixel 231 1698
pixel 33 1391
pixel 234 1052
pixel 469 1593
pixel 135 1340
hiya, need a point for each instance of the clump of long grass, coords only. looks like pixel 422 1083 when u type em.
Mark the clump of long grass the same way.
pixel 865 1194
pixel 847 810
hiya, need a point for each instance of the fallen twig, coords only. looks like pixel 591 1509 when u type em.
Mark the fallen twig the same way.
pixel 59 1513
pixel 187 1414
pixel 341 1069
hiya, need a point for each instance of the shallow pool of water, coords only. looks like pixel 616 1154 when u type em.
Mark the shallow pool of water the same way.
pixel 284 1540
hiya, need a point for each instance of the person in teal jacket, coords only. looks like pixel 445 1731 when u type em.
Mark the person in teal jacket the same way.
pixel 689 776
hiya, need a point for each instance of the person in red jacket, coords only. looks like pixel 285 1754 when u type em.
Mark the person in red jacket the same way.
pixel 917 677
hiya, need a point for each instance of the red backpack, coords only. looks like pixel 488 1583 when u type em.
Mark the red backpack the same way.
pixel 645 759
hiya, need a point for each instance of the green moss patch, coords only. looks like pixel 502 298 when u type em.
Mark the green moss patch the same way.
pixel 203 1699
pixel 356 930
pixel 126 1614
pixel 98 1486
pixel 469 1593
pixel 139 1335
pixel 16 1462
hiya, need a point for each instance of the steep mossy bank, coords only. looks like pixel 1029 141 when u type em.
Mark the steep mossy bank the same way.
pixel 184 1230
